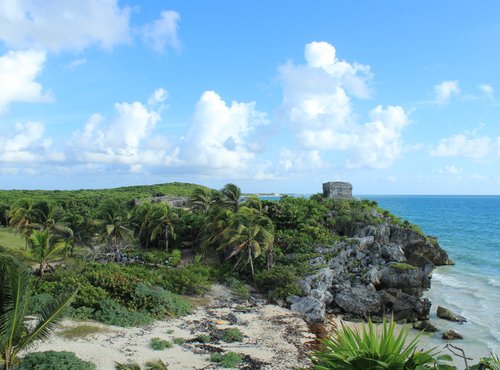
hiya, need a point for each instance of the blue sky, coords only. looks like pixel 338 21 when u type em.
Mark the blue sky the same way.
pixel 276 96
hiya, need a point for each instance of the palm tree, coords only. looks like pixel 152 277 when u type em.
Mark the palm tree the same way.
pixel 44 247
pixel 215 228
pixel 113 224
pixel 230 197
pixel 21 216
pixel 201 199
pixel 249 234
pixel 15 293
pixel 161 223
pixel 140 219
pixel 51 217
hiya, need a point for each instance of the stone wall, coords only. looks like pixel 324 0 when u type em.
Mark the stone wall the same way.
pixel 337 189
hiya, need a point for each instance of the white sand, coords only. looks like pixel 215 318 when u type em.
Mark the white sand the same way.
pixel 273 337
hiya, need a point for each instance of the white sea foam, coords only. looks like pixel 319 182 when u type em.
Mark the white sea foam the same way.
pixel 493 282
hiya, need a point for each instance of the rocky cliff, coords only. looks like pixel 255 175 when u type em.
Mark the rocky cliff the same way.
pixel 381 267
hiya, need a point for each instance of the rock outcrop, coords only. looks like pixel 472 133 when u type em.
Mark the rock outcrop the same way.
pixel 381 268
pixel 447 314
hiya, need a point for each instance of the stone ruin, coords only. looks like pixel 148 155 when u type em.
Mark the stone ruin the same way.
pixel 337 189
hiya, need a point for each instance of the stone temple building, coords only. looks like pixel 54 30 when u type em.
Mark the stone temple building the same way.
pixel 337 189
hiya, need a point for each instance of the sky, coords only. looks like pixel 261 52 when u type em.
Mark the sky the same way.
pixel 396 97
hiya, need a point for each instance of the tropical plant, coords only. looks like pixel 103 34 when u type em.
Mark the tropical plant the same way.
pixel 248 235
pixel 488 363
pixel 16 334
pixel 44 247
pixel 113 224
pixel 156 365
pixel 127 366
pixel 52 360
pixel 202 199
pixel 378 349
pixel 230 197
pixel 21 215
pixel 161 224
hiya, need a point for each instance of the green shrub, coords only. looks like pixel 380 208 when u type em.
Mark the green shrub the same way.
pixel 232 335
pixel 488 363
pixel 160 344
pixel 238 288
pixel 38 302
pixel 175 257
pixel 203 338
pixel 52 360
pixel 118 284
pixel 159 302
pixel 156 365
pixel 89 296
pixel 179 341
pixel 127 366
pixel 192 279
pixel 82 313
pixel 113 313
pixel 279 281
pixel 382 349
pixel 227 360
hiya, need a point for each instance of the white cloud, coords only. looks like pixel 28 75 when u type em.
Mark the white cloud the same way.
pixel 220 135
pixel 18 70
pixel 488 90
pixel 58 25
pixel 462 145
pixel 317 106
pixel 450 170
pixel 301 161
pixel 445 91
pixel 76 63
pixel 162 32
pixel 27 145
pixel 124 139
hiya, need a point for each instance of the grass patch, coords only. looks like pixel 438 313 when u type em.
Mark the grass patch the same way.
pixel 227 360
pixel 160 344
pixel 81 331
pixel 232 335
pixel 179 341
pixel 403 266
pixel 203 338
pixel 10 240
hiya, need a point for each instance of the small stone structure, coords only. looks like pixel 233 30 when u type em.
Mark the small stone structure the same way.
pixel 337 189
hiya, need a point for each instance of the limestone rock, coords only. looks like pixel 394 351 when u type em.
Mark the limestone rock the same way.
pixel 359 300
pixel 404 277
pixel 447 314
pixel 312 309
pixel 321 280
pixel 411 308
pixel 424 325
pixel 452 335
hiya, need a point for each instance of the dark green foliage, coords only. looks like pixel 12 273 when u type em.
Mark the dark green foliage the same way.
pixel 279 281
pixel 373 348
pixel 232 335
pixel 195 278
pixel 227 360
pixel 38 302
pixel 52 360
pixel 127 366
pixel 160 344
pixel 159 302
pixel 113 313
pixel 238 288
pixel 179 341
pixel 203 338
pixel 82 313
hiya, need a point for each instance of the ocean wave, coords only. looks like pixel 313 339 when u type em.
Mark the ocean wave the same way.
pixel 493 282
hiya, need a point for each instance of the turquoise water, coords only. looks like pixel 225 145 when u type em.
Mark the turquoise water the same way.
pixel 468 227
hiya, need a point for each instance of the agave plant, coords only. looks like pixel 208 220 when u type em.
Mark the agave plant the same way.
pixel 15 291
pixel 377 349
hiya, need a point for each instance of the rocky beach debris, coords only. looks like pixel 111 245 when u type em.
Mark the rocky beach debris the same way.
pixel 447 314
pixel 452 334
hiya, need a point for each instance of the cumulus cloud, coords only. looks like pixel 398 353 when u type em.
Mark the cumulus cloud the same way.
pixel 463 145
pixel 488 90
pixel 317 106
pixel 27 145
pixel 124 139
pixel 445 91
pixel 302 160
pixel 162 32
pixel 220 136
pixel 18 70
pixel 58 25
pixel 450 170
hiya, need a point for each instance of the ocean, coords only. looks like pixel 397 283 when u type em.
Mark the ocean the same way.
pixel 468 228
